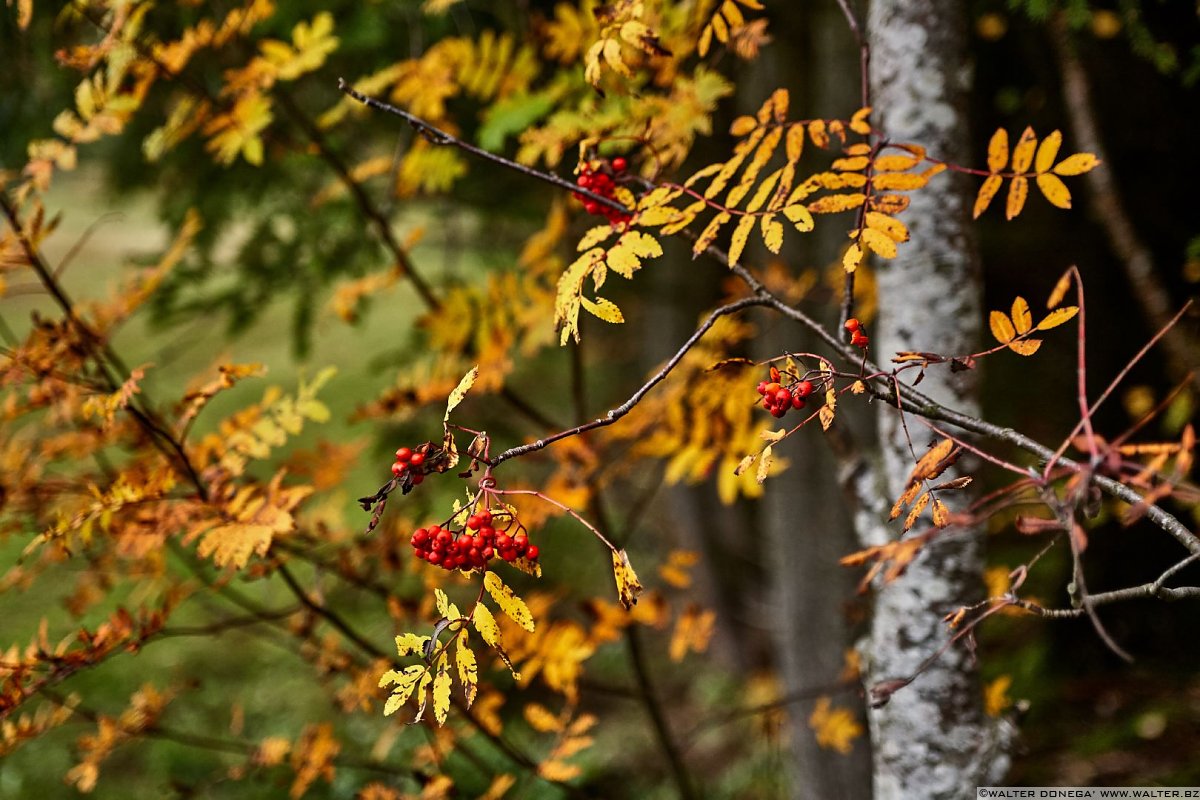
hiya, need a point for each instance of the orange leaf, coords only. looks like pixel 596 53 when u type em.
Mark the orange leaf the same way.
pixel 1022 319
pixel 1057 317
pixel 1002 327
pixel 834 203
pixel 1025 348
pixel 1060 290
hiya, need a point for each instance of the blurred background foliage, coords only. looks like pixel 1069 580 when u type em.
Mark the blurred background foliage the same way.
pixel 259 285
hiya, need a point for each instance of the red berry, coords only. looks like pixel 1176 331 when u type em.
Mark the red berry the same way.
pixel 768 403
pixel 417 478
pixel 762 387
pixel 417 459
pixel 520 540
pixel 532 553
pixel 619 164
pixel 503 541
pixel 444 536
pixel 773 387
pixel 591 206
pixel 859 340
pixel 398 468
pixel 585 180
pixel 485 517
pixel 473 522
pixel 778 411
pixel 435 557
pixel 803 388
pixel 797 401
pixel 487 553
pixel 853 324
pixel 420 536
pixel 488 533
pixel 783 396
pixel 508 554
pixel 403 454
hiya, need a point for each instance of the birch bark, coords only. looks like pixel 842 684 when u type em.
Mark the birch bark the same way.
pixel 932 740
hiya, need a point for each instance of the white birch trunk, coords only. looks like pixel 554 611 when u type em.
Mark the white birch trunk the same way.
pixel 932 740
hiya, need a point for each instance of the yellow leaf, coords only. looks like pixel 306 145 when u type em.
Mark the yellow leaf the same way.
pixel 852 258
pixel 460 391
pixel 468 670
pixel 709 233
pixel 693 631
pixel 794 143
pixel 705 43
pixel 895 163
pixel 986 192
pixel 625 257
pixel 1054 189
pixel 410 644
pixel 995 696
pixel 828 410
pixel 859 122
pixel 628 586
pixel 835 203
pixel 441 692
pixel 900 181
pixel 405 681
pixel 742 125
pixel 1060 290
pixel 799 216
pixel 1023 152
pixel 997 152
pixel 1076 164
pixel 604 309
pixel 764 464
pixel 595 236
pixel 509 603
pixel 1057 317
pixel 741 234
pixel 1017 190
pixel 772 233
pixel 1026 348
pixel 894 228
pixel 854 164
pixel 499 787
pixel 485 623
pixel 816 131
pixel 835 728
pixel 542 719
pixel 1046 152
pixel 1002 327
pixel 1021 318
pixel 442 602
pixel 879 242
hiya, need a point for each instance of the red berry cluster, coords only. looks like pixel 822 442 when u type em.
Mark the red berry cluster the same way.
pixel 472 547
pixel 409 465
pixel 601 181
pixel 778 398
pixel 858 334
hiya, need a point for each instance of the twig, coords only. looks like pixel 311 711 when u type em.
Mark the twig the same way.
pixel 438 136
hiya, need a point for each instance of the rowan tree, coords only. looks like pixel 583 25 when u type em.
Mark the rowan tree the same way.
pixel 504 611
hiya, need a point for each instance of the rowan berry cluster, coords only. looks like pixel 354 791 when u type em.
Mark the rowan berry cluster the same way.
pixel 473 546
pixel 410 464
pixel 778 398
pixel 601 180
pixel 858 334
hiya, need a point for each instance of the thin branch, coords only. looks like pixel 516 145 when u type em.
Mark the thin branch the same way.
pixel 440 137
pixel 623 409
